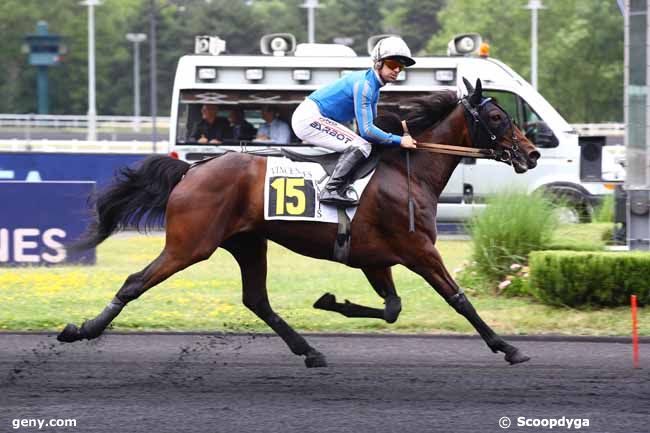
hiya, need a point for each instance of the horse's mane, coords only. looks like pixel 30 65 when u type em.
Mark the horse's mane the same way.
pixel 421 113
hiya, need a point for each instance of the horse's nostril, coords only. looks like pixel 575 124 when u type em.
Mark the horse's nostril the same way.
pixel 534 156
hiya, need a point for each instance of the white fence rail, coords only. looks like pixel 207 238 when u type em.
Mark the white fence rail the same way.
pixel 74 121
pixel 128 134
pixel 82 146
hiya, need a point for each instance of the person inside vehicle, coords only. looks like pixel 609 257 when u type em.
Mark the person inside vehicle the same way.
pixel 274 129
pixel 241 129
pixel 212 128
pixel 320 117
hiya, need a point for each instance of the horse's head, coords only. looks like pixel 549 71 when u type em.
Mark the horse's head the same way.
pixel 490 127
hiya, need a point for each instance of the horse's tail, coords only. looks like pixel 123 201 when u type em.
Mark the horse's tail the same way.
pixel 136 199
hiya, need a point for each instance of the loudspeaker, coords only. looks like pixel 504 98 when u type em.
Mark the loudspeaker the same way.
pixel 591 158
pixel 278 44
pixel 464 44
pixel 209 45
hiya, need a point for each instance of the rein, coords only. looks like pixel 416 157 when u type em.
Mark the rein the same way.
pixel 457 150
pixel 452 150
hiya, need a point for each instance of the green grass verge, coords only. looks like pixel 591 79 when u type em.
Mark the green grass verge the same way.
pixel 207 297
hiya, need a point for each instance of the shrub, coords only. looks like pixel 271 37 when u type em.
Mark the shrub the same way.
pixel 589 278
pixel 575 245
pixel 512 225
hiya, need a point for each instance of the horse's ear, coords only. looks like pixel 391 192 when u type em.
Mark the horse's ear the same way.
pixel 477 96
pixel 469 87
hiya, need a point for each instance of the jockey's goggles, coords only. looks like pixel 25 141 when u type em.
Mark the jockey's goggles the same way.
pixel 392 64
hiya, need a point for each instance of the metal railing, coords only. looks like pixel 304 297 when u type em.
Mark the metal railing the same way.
pixel 128 134
pixel 76 121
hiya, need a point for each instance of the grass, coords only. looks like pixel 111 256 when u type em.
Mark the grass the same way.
pixel 207 297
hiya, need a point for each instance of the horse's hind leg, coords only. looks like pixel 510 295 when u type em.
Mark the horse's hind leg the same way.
pixel 250 252
pixel 381 280
pixel 135 285
pixel 432 269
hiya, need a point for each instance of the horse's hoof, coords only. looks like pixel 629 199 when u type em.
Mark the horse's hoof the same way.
pixel 325 302
pixel 315 359
pixel 516 357
pixel 70 334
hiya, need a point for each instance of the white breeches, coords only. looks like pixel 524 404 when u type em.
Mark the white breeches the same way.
pixel 312 127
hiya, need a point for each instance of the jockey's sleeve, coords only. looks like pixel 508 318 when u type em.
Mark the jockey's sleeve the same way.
pixel 363 111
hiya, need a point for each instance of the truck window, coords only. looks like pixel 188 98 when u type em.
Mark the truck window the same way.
pixel 525 118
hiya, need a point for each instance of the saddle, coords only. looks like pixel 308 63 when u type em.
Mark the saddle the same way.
pixel 328 162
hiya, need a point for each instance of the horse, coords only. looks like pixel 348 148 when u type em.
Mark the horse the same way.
pixel 219 203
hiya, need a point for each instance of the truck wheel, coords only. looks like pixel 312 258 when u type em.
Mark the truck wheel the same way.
pixel 572 206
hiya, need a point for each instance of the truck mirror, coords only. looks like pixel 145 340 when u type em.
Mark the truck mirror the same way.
pixel 541 135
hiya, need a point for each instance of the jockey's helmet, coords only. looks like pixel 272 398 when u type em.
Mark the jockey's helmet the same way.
pixel 392 48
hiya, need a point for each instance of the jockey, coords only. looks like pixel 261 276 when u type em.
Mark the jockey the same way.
pixel 318 119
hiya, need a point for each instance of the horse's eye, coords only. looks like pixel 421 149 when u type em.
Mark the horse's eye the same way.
pixel 495 117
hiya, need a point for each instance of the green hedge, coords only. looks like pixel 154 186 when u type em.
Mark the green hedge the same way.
pixel 590 278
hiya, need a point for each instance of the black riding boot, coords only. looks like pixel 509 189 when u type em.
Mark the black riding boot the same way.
pixel 335 191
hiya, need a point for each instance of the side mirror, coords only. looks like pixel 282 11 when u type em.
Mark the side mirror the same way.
pixel 541 135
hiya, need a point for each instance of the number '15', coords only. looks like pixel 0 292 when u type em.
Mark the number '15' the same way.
pixel 289 187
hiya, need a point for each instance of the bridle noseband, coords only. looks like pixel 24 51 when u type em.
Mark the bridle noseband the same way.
pixel 484 138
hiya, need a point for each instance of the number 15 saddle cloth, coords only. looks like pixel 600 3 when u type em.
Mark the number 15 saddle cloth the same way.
pixel 291 191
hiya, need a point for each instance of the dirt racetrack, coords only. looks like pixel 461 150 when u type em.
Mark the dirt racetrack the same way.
pixel 246 383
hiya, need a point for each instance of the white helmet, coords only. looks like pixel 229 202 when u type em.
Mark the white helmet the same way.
pixel 392 47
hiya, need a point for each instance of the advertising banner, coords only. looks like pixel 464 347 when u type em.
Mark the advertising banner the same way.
pixel 36 166
pixel 37 220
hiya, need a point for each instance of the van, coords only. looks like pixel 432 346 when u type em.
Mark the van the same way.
pixel 286 73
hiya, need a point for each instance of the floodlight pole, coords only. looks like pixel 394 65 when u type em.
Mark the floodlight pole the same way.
pixel 92 110
pixel 534 6
pixel 136 38
pixel 311 5
pixel 153 84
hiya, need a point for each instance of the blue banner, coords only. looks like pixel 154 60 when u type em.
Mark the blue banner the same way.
pixel 35 167
pixel 37 219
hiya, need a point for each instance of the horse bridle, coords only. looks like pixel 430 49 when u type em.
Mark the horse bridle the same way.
pixel 484 138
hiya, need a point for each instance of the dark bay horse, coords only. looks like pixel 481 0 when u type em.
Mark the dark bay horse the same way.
pixel 220 204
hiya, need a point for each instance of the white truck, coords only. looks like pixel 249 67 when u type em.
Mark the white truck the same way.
pixel 287 72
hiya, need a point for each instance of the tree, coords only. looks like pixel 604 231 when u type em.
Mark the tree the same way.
pixel 277 16
pixel 415 20
pixel 68 81
pixel 573 59
pixel 356 19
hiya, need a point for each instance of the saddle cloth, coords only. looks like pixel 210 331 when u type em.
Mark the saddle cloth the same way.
pixel 291 191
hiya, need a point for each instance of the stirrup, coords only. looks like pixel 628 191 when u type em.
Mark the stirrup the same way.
pixel 335 197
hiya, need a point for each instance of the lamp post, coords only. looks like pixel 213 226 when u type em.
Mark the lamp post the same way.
pixel 534 6
pixel 153 83
pixel 136 38
pixel 92 110
pixel 310 5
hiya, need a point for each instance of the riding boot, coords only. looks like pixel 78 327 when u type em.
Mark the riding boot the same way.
pixel 335 191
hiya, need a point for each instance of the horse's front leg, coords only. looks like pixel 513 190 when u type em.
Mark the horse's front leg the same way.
pixel 429 265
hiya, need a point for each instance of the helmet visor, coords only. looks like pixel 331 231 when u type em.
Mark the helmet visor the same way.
pixel 394 64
